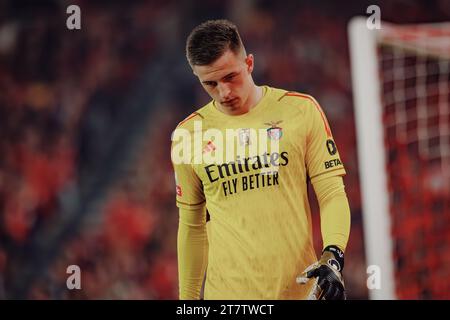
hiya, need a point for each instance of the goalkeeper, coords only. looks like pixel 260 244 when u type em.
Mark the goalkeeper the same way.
pixel 245 227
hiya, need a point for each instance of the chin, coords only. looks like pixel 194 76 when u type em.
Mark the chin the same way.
pixel 236 107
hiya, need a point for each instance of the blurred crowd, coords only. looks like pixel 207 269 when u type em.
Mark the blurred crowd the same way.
pixel 61 90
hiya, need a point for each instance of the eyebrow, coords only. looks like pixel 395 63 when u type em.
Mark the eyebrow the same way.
pixel 226 76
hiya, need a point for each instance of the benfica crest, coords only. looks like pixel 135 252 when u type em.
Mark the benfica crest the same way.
pixel 274 132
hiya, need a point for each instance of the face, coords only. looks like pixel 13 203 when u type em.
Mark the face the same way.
pixel 228 81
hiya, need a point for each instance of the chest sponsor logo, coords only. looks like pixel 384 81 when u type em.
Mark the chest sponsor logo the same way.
pixel 254 172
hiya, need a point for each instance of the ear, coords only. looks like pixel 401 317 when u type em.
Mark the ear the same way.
pixel 194 71
pixel 249 61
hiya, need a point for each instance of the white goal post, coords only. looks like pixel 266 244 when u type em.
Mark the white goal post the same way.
pixel 371 155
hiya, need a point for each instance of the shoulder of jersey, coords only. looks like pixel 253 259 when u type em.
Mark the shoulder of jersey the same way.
pixel 188 122
pixel 294 99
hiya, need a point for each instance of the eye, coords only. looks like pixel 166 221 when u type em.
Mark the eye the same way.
pixel 230 77
pixel 210 83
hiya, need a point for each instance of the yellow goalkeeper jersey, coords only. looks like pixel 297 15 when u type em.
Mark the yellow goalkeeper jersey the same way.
pixel 255 190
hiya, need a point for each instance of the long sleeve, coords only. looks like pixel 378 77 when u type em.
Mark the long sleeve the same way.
pixel 334 211
pixel 192 252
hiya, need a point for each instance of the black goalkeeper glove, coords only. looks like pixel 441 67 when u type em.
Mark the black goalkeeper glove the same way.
pixel 329 284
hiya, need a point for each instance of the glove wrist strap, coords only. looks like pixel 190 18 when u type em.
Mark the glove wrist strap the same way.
pixel 337 253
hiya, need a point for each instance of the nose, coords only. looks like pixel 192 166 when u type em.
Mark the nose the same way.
pixel 224 91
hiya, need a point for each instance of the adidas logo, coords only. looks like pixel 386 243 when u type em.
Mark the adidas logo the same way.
pixel 209 147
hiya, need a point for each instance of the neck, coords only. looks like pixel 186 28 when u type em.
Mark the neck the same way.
pixel 254 97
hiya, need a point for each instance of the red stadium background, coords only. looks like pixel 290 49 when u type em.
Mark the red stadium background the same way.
pixel 85 123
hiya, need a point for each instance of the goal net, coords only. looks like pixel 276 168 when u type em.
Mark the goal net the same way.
pixel 401 83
